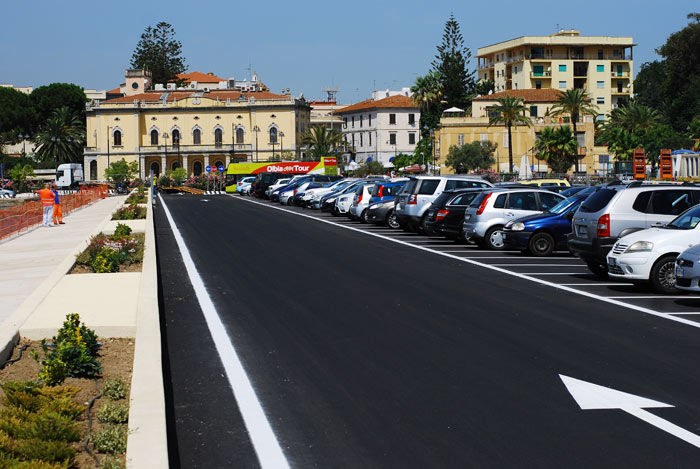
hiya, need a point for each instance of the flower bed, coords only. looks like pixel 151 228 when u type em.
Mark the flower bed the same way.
pixel 44 426
pixel 131 212
pixel 120 252
pixel 135 199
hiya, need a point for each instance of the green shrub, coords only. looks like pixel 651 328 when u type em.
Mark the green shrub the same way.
pixel 53 372
pixel 132 212
pixel 135 199
pixel 114 388
pixel 23 394
pixel 122 230
pixel 112 412
pixel 110 462
pixel 8 462
pixel 73 329
pixel 106 261
pixel 112 439
pixel 107 253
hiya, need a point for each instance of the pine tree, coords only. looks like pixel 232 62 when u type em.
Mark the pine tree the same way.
pixel 159 52
pixel 451 64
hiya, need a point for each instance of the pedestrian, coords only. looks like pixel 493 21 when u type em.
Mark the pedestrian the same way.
pixel 57 213
pixel 47 201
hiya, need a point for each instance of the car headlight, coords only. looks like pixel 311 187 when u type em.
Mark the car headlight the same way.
pixel 372 207
pixel 518 226
pixel 640 246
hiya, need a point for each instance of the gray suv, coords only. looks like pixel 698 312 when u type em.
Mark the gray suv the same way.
pixel 419 192
pixel 617 210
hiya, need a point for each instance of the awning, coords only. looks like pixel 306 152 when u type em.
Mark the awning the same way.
pixel 453 109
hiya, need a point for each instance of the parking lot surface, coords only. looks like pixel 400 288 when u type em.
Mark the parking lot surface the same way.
pixel 371 347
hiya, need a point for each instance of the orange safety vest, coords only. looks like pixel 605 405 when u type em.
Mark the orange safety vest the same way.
pixel 47 197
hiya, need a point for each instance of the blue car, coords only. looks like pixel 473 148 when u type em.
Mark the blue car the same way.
pixel 543 233
pixel 385 191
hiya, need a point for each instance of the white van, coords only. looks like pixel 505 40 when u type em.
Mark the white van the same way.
pixel 69 175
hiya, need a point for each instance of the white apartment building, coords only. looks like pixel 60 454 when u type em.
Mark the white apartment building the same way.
pixel 378 130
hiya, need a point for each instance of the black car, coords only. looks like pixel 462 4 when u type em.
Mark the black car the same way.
pixel 381 213
pixel 262 182
pixel 446 214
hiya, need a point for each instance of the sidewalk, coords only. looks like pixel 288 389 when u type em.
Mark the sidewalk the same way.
pixel 29 259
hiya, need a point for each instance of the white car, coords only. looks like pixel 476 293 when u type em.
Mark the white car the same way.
pixel 650 255
pixel 279 183
pixel 343 203
pixel 314 195
pixel 243 186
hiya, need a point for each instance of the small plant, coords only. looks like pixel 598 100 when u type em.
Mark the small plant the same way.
pixel 112 412
pixel 132 212
pixel 122 230
pixel 54 371
pixel 111 462
pixel 114 388
pixel 135 199
pixel 112 439
pixel 107 260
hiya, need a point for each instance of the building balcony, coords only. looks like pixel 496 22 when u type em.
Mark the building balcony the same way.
pixel 621 91
pixel 547 74
pixel 620 74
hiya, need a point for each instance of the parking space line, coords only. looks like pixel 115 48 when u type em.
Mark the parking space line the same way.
pixel 547 273
pixel 647 297
pixel 521 275
pixel 686 312
pixel 598 284
pixel 538 265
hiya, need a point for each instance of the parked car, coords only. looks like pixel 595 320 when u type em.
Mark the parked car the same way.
pixel 298 198
pixel 263 181
pixel 650 255
pixel 312 198
pixel 243 186
pixel 420 191
pixel 382 213
pixel 343 203
pixel 385 191
pixel 569 191
pixel 491 210
pixel 360 202
pixel 276 185
pixel 688 269
pixel 7 193
pixel 543 183
pixel 617 210
pixel 446 214
pixel 327 201
pixel 543 233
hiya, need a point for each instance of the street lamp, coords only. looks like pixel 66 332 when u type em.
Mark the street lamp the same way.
pixel 166 137
pixel 256 129
pixel 281 144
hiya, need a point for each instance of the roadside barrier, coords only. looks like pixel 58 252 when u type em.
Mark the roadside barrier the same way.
pixel 17 219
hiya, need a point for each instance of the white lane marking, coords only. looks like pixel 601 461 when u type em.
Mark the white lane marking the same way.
pixel 642 297
pixel 469 251
pixel 547 273
pixel 263 438
pixel 686 312
pixel 496 269
pixel 597 284
pixel 539 265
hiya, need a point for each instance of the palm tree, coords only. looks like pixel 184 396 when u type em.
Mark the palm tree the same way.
pixel 321 141
pixel 558 147
pixel 634 117
pixel 426 92
pixel 575 103
pixel 510 112
pixel 62 137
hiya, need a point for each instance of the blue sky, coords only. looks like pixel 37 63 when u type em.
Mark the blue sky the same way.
pixel 357 46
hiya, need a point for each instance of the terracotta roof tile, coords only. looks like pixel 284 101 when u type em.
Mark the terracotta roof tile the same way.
pixel 115 91
pixel 156 96
pixel 547 95
pixel 392 102
pixel 200 77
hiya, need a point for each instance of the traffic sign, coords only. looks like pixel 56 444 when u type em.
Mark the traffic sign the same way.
pixel 208 168
pixel 221 168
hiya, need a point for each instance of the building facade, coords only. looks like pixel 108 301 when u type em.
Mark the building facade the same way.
pixel 601 65
pixel 163 130
pixel 378 130
pixel 458 129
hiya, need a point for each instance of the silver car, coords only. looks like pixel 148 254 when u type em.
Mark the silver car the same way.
pixel 360 202
pixel 491 210
pixel 419 192
pixel 688 269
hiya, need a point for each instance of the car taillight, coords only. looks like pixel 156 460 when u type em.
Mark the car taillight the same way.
pixel 295 192
pixel 603 226
pixel 413 199
pixel 441 214
pixel 482 206
pixel 359 198
pixel 381 191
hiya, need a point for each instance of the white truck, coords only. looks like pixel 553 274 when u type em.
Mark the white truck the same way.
pixel 69 175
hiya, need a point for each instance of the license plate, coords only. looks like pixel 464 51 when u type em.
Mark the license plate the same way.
pixel 582 230
pixel 680 272
pixel 612 262
pixel 431 212
pixel 467 216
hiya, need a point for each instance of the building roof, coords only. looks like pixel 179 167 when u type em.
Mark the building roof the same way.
pixel 392 102
pixel 547 95
pixel 233 95
pixel 115 91
pixel 200 77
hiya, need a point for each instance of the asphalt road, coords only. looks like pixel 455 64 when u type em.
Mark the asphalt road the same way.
pixel 368 353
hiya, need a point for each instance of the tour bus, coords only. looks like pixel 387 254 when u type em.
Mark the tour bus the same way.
pixel 237 171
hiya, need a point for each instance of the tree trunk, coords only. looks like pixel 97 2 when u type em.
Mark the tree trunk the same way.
pixel 510 151
pixel 573 120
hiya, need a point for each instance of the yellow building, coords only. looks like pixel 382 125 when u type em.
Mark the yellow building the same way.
pixel 456 128
pixel 166 129
pixel 601 65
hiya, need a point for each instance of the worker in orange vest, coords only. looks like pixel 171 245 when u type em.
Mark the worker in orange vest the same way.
pixel 57 213
pixel 47 201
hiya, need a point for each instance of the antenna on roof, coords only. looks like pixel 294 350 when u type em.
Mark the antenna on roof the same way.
pixel 250 69
pixel 331 92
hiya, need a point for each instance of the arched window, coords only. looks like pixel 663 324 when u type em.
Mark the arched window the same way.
pixel 273 135
pixel 197 136
pixel 197 168
pixel 154 137
pixel 175 165
pixel 155 168
pixel 117 138
pixel 218 137
pixel 239 135
pixel 93 170
pixel 219 163
pixel 176 138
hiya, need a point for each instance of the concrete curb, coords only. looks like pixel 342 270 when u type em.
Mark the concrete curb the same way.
pixel 9 329
pixel 147 444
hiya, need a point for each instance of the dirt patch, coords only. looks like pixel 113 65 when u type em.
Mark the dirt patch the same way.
pixel 117 358
pixel 83 269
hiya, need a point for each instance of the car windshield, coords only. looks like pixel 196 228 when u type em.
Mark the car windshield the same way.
pixel 686 220
pixel 563 205
pixel 282 182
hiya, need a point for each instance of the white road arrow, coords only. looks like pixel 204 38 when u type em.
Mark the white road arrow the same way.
pixel 591 396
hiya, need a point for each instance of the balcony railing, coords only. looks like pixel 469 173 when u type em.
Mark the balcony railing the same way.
pixel 545 74
pixel 620 74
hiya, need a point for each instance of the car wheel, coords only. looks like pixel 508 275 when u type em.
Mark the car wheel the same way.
pixel 290 202
pixel 392 221
pixel 663 277
pixel 600 271
pixel 363 216
pixel 424 226
pixel 493 239
pixel 541 244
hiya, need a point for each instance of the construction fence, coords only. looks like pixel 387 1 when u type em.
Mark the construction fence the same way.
pixel 30 213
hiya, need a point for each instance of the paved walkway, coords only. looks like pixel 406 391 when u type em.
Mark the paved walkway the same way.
pixel 26 261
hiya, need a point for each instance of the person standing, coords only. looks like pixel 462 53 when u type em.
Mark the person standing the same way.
pixel 57 213
pixel 47 201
